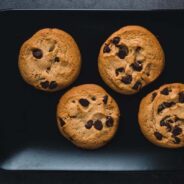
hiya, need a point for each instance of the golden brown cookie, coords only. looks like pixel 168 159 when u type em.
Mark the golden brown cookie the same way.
pixel 161 116
pixel 130 59
pixel 50 60
pixel 87 116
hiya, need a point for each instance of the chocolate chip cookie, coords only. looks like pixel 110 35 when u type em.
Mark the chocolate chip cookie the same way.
pixel 130 59
pixel 161 116
pixel 50 60
pixel 87 116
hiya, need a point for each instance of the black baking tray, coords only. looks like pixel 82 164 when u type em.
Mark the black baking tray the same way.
pixel 29 138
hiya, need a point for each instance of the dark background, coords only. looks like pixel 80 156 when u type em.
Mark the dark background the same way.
pixel 93 177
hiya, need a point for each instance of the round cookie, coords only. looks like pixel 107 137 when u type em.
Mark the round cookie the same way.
pixel 161 116
pixel 130 59
pixel 87 116
pixel 50 60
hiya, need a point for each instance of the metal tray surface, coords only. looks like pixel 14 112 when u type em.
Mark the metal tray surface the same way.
pixel 29 138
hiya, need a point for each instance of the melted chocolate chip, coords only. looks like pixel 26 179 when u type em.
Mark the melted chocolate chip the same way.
pixel 44 84
pixel 109 121
pixel 98 125
pixel 137 85
pixel 181 97
pixel 89 124
pixel 158 135
pixel 165 105
pixel 176 131
pixel 123 51
pixel 166 121
pixel 153 96
pixel 127 79
pixel 137 66
pixel 37 53
pixel 165 91
pixel 106 49
pixel 56 59
pixel 84 102
pixel 61 122
pixel 119 70
pixel 176 140
pixel 116 40
pixel 105 99
pixel 53 85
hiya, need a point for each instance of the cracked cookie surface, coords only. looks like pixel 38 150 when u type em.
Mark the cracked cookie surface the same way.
pixel 130 59
pixel 50 60
pixel 161 116
pixel 87 116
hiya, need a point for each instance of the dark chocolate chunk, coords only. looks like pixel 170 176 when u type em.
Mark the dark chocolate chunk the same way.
pixel 105 99
pixel 137 85
pixel 165 91
pixel 109 121
pixel 37 53
pixel 56 59
pixel 127 79
pixel 84 102
pixel 153 96
pixel 176 140
pixel 98 125
pixel 137 66
pixel 181 97
pixel 89 124
pixel 44 84
pixel 116 40
pixel 166 122
pixel 158 135
pixel 106 49
pixel 123 51
pixel 53 85
pixel 61 122
pixel 165 105
pixel 176 131
pixel 119 70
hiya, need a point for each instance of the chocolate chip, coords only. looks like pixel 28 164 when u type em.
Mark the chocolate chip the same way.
pixel 181 97
pixel 153 96
pixel 119 70
pixel 164 105
pixel 137 66
pixel 123 51
pixel 89 124
pixel 98 125
pixel 53 85
pixel 37 53
pixel 176 140
pixel 44 84
pixel 158 135
pixel 106 49
pixel 176 131
pixel 165 121
pixel 84 102
pixel 127 79
pixel 165 91
pixel 61 122
pixel 56 59
pixel 105 99
pixel 93 98
pixel 109 121
pixel 167 125
pixel 116 40
pixel 137 85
